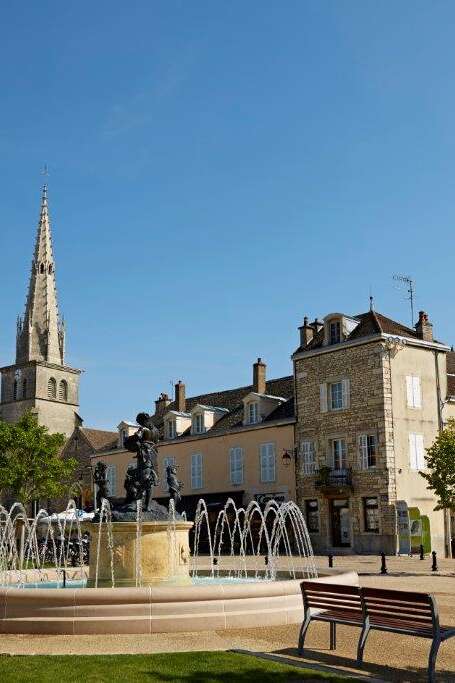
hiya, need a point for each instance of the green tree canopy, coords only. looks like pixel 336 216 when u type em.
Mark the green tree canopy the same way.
pixel 30 462
pixel 441 467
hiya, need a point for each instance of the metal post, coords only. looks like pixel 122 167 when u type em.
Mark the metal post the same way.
pixel 64 578
pixel 383 564
pixel 434 564
pixel 422 555
pixel 330 561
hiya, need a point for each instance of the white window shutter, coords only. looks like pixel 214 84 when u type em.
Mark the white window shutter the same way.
pixel 420 452
pixel 410 391
pixel 323 397
pixel 363 451
pixel 416 392
pixel 412 452
pixel 345 389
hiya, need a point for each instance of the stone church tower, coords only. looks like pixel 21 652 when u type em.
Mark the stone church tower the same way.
pixel 39 380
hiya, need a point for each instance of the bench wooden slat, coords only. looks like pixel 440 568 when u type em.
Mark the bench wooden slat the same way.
pixel 336 589
pixel 396 595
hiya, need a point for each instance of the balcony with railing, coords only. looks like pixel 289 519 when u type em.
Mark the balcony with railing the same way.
pixel 329 480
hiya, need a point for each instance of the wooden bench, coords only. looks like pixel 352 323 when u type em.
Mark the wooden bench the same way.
pixel 331 602
pixel 414 614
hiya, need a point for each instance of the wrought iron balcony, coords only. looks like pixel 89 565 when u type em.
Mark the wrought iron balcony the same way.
pixel 330 480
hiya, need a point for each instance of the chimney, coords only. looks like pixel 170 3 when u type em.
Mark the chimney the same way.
pixel 424 328
pixel 259 376
pixel 161 404
pixel 180 401
pixel 306 332
pixel 317 325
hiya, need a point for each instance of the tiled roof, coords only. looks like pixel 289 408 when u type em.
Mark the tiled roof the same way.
pixel 369 323
pixel 99 439
pixel 231 399
pixel 451 385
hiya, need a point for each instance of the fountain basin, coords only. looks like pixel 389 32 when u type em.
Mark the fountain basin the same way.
pixel 156 609
pixel 164 553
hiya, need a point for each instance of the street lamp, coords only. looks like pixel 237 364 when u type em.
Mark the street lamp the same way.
pixel 288 456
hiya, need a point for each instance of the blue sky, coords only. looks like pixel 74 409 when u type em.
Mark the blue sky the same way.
pixel 219 170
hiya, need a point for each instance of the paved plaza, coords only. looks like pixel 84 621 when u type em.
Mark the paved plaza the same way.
pixel 388 657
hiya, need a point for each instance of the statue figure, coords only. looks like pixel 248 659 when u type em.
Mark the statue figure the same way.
pixel 174 485
pixel 100 479
pixel 143 443
pixel 131 485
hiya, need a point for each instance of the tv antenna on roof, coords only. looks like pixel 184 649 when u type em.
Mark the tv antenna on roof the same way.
pixel 409 283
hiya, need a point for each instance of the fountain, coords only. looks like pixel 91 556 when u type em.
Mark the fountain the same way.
pixel 142 577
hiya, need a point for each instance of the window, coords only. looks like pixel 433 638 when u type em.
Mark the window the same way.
pixel 413 391
pixel 253 412
pixel 416 452
pixel 335 332
pixel 334 396
pixel 169 460
pixel 312 516
pixel 50 268
pixel 236 465
pixel 111 476
pixel 198 423
pixel 308 457
pixel 339 454
pixel 15 390
pixel 196 471
pixel 371 515
pixel 52 388
pixel 171 429
pixel 367 451
pixel 24 388
pixel 41 268
pixel 63 390
pixel 268 462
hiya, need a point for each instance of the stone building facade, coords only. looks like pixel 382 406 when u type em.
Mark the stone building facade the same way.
pixel 371 395
pixel 39 380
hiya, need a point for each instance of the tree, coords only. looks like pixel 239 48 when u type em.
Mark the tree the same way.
pixel 441 467
pixel 30 462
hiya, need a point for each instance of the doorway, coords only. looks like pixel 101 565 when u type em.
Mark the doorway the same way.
pixel 340 522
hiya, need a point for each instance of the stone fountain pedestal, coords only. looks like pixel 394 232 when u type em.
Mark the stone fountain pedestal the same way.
pixel 163 555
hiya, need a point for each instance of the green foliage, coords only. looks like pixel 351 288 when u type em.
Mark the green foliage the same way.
pixel 441 467
pixel 30 465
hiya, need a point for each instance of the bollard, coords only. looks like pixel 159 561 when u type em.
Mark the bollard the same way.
pixel 266 560
pixel 383 564
pixel 64 578
pixel 330 561
pixel 434 564
pixel 422 556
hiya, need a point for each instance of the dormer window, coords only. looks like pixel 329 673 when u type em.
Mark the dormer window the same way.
pixel 198 423
pixel 335 332
pixel 171 431
pixel 253 412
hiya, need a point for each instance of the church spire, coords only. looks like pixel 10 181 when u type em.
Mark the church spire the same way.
pixel 40 334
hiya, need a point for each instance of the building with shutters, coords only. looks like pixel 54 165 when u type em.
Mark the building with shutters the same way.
pixel 226 444
pixel 40 380
pixel 371 396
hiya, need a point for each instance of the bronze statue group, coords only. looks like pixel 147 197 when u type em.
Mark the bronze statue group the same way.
pixel 142 477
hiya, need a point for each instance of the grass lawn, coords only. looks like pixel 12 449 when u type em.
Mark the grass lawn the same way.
pixel 181 667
